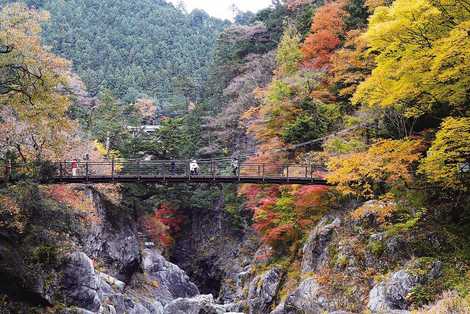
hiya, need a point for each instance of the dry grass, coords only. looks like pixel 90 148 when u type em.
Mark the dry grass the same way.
pixel 451 303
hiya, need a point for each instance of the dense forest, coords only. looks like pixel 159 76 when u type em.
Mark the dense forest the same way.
pixel 374 91
pixel 135 49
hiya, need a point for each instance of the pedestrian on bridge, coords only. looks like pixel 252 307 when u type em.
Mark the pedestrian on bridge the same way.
pixel 235 166
pixel 74 168
pixel 194 167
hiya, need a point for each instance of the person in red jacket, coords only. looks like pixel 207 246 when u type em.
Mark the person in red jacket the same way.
pixel 74 168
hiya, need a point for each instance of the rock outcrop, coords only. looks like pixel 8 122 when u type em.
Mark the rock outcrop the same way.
pixel 314 251
pixel 263 291
pixel 391 295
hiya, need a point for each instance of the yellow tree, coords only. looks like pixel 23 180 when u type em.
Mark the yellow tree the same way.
pixel 423 62
pixel 448 159
pixel 31 80
pixel 385 164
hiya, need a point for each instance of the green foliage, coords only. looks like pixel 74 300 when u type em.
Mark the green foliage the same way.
pixel 288 54
pixel 376 247
pixel 304 128
pixel 448 159
pixel 108 123
pixel 133 48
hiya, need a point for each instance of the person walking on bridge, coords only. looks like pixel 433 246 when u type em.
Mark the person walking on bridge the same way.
pixel 194 167
pixel 235 166
pixel 74 168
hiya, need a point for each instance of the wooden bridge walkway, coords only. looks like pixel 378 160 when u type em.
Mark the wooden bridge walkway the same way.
pixel 139 171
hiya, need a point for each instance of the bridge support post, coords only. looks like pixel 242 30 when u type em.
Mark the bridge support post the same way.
pixel 263 172
pixel 212 170
pixel 113 165
pixel 86 171
pixel 287 173
pixel 163 172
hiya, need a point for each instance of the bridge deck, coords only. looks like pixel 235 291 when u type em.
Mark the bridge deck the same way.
pixel 189 179
pixel 212 171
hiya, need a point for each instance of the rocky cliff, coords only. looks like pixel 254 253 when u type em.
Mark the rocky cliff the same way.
pixel 68 260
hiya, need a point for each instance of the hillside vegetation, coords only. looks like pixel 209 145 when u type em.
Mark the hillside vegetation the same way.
pixel 376 91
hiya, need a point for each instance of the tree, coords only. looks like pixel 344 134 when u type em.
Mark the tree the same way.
pixel 146 109
pixel 421 50
pixel 288 54
pixel 327 27
pixel 384 165
pixel 448 160
pixel 109 122
pixel 30 81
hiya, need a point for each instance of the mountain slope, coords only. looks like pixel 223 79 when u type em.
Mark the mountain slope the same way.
pixel 133 48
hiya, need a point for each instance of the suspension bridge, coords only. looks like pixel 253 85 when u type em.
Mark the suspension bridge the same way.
pixel 162 172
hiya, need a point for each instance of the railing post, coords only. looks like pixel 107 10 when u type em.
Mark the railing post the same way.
pixel 163 171
pixel 188 169
pixel 287 173
pixel 238 170
pixel 259 171
pixel 212 170
pixel 61 170
pixel 311 171
pixel 112 169
pixel 263 172
pixel 306 171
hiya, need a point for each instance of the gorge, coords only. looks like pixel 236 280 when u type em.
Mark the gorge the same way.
pixel 374 93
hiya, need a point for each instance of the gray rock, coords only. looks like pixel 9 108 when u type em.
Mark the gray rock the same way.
pixel 263 290
pixel 314 252
pixel 114 239
pixel 306 298
pixel 173 282
pixel 80 282
pixel 201 304
pixel 125 304
pixel 390 295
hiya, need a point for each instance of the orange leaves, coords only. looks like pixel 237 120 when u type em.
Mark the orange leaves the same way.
pixel 386 163
pixel 71 197
pixel 161 224
pixel 11 215
pixel 282 214
pixel 327 26
pixel 309 196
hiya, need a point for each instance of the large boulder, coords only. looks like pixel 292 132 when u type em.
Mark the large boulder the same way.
pixel 172 282
pixel 314 251
pixel 390 296
pixel 307 298
pixel 201 304
pixel 80 283
pixel 263 290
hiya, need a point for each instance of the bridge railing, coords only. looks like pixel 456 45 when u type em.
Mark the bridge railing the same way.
pixel 182 168
pixel 165 169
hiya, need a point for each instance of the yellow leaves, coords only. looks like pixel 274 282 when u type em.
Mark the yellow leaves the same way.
pixel 32 83
pixel 383 210
pixel 386 163
pixel 288 54
pixel 448 157
pixel 422 57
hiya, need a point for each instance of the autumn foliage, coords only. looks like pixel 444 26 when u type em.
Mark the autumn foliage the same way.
pixel 74 198
pixel 283 214
pixel 327 27
pixel 162 224
pixel 387 163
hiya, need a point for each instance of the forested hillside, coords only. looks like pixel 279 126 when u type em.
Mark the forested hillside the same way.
pixel 134 48
pixel 371 95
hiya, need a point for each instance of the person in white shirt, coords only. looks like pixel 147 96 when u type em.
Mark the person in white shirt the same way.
pixel 194 167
